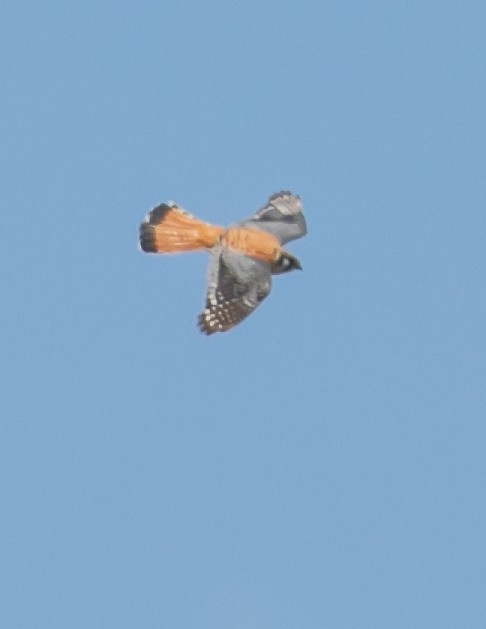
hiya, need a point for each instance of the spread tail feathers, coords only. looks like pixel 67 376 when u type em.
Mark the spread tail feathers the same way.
pixel 169 229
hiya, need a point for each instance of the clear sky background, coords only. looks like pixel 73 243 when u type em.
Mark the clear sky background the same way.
pixel 323 464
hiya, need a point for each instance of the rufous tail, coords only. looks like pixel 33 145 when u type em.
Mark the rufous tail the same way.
pixel 170 229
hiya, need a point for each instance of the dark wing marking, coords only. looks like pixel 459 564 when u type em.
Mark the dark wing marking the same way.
pixel 281 216
pixel 237 284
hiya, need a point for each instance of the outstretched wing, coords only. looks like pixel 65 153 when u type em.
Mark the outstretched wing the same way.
pixel 236 285
pixel 281 216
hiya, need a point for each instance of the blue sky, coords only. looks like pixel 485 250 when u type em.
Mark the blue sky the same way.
pixel 321 465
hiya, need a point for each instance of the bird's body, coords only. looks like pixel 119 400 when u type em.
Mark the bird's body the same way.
pixel 244 256
pixel 253 242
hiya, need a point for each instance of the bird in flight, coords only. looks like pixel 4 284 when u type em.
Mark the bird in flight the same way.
pixel 243 256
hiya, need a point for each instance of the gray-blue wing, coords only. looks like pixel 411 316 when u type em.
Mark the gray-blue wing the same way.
pixel 237 284
pixel 281 216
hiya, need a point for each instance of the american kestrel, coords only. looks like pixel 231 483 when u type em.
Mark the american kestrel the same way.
pixel 243 256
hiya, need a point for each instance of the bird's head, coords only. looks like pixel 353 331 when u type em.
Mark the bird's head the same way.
pixel 284 263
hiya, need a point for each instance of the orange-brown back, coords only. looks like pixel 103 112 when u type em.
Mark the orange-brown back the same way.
pixel 252 242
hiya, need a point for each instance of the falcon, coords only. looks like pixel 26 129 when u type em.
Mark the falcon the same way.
pixel 243 256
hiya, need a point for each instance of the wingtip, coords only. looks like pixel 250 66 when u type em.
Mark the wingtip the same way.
pixel 204 325
pixel 283 193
